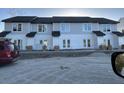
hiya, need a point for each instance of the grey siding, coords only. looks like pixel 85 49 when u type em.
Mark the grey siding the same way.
pixel 35 28
pixel 75 28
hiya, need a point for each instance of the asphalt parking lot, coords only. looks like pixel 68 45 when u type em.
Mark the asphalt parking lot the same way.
pixel 92 69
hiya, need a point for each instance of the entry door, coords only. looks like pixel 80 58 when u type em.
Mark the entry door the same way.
pixel 109 43
pixel 45 43
pixel 18 43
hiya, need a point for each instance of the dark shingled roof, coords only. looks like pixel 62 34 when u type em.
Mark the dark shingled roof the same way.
pixel 118 33
pixel 31 34
pixel 83 20
pixel 20 19
pixel 44 20
pixel 4 33
pixel 49 20
pixel 99 33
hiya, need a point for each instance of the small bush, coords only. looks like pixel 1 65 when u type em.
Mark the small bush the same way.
pixel 102 47
pixel 29 47
pixel 105 47
pixel 56 48
pixel 109 47
pixel 44 47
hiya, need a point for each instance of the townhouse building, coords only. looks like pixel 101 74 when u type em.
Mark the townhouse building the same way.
pixel 120 28
pixel 64 32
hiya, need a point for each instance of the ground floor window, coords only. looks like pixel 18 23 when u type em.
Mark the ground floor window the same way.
pixel 66 43
pixel 84 42
pixel 87 43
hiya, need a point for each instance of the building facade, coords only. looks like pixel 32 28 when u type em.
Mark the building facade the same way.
pixel 120 28
pixel 36 33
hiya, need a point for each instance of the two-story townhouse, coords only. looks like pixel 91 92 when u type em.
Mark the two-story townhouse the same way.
pixel 65 32
pixel 84 32
pixel 29 31
pixel 120 28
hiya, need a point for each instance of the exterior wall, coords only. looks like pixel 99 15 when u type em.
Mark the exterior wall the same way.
pixel 76 35
pixel 25 27
pixel 39 37
pixel 121 41
pixel 113 40
pixel 34 28
pixel 16 36
pixel 113 27
pixel 76 41
pixel 120 26
pixel 8 26
pixel 75 28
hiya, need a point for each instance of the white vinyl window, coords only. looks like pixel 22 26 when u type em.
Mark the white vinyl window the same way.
pixel 89 43
pixel 66 43
pixel 87 27
pixel 65 27
pixel 106 27
pixel 42 27
pixel 17 27
pixel 84 41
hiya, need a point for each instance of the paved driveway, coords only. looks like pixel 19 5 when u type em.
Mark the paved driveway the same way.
pixel 94 68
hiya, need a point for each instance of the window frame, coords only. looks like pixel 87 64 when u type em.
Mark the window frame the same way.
pixel 106 27
pixel 42 28
pixel 64 43
pixel 85 27
pixel 66 27
pixel 84 43
pixel 17 27
pixel 68 43
pixel 88 42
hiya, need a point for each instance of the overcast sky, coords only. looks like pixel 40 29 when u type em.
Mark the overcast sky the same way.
pixel 112 13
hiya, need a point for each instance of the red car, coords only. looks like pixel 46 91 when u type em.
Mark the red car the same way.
pixel 8 51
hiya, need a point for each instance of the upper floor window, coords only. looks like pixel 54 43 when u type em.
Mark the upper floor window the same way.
pixel 17 27
pixel 42 27
pixel 87 27
pixel 106 27
pixel 64 27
